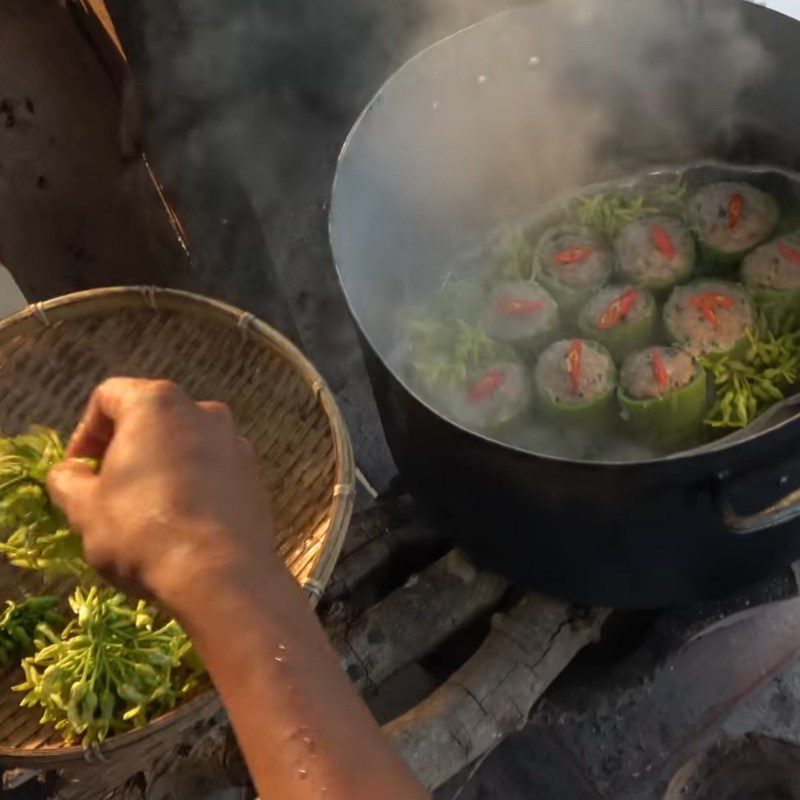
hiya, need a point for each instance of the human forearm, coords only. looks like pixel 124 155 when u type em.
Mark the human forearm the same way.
pixel 304 731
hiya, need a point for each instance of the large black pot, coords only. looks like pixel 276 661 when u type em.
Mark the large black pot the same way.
pixel 488 125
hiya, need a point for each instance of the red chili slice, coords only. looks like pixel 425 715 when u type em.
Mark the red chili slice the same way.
pixel 735 208
pixel 789 253
pixel 618 310
pixel 708 302
pixel 573 255
pixel 574 359
pixel 518 308
pixel 662 241
pixel 659 370
pixel 486 385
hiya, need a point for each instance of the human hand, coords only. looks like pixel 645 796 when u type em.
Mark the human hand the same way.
pixel 177 499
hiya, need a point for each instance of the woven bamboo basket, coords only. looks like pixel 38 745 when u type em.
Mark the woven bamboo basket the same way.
pixel 53 354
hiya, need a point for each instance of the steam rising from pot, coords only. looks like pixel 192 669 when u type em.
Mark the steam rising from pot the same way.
pixel 493 123
pixel 254 78
pixel 481 132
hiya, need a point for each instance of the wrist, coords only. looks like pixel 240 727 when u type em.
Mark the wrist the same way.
pixel 225 611
pixel 188 582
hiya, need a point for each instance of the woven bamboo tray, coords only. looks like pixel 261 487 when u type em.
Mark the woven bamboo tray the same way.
pixel 53 354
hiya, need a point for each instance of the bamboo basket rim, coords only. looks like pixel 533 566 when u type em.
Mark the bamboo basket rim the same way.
pixel 41 315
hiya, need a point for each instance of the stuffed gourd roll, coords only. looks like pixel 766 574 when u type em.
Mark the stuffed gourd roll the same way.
pixel 772 274
pixel 621 318
pixel 521 313
pixel 655 252
pixel 574 383
pixel 572 264
pixel 730 219
pixel 710 317
pixel 663 393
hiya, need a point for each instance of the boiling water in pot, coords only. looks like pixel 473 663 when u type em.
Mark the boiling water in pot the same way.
pixel 624 322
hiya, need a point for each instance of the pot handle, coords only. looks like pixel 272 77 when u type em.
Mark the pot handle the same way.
pixel 787 509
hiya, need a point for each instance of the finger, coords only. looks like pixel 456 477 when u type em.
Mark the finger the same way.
pixel 246 447
pixel 96 428
pixel 109 402
pixel 216 410
pixel 247 453
pixel 70 485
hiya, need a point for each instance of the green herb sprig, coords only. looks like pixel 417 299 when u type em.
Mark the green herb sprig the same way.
pixel 514 260
pixel 19 623
pixel 33 533
pixel 439 371
pixel 610 212
pixel 472 345
pixel 442 352
pixel 747 386
pixel 430 333
pixel 111 669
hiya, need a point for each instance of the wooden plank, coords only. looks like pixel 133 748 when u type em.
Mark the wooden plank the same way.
pixel 415 619
pixel 492 695
pixel 73 212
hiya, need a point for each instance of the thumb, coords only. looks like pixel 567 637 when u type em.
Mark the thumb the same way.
pixel 70 485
